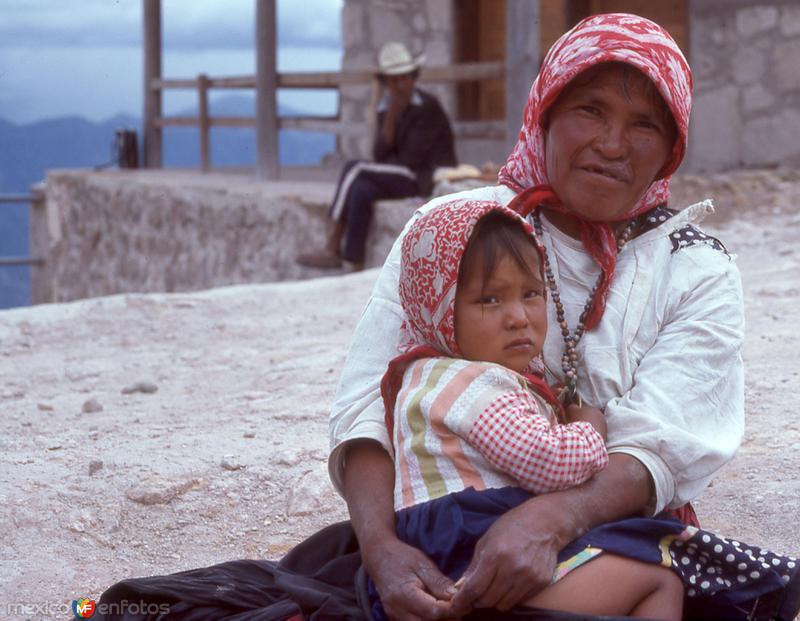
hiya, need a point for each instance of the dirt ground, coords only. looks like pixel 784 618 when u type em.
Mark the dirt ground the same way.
pixel 147 434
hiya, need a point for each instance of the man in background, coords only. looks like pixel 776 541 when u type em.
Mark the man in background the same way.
pixel 413 138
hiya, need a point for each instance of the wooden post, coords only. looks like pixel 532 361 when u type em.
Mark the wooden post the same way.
pixel 522 61
pixel 203 122
pixel 267 166
pixel 39 247
pixel 152 147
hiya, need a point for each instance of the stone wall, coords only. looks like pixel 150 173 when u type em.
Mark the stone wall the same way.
pixel 424 26
pixel 161 231
pixel 745 55
pixel 111 232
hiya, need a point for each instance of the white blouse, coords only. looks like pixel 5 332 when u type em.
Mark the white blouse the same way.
pixel 665 362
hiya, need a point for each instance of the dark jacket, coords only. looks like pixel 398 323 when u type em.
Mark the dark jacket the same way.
pixel 423 140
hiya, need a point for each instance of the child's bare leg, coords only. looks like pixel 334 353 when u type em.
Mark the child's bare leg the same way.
pixel 614 585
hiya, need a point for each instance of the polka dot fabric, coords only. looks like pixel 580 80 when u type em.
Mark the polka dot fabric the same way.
pixel 710 564
pixel 723 578
pixel 691 236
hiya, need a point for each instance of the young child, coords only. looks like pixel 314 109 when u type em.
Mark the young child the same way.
pixel 477 431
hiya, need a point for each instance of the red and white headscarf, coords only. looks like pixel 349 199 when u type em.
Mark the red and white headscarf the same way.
pixel 430 260
pixel 613 37
pixel 431 255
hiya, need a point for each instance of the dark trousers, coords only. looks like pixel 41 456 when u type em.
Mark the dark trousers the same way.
pixel 361 183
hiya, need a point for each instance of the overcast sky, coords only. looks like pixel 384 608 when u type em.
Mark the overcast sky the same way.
pixel 84 57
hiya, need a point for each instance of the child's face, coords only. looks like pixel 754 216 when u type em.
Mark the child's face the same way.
pixel 504 320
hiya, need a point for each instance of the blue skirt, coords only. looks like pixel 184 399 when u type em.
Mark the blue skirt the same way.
pixel 723 578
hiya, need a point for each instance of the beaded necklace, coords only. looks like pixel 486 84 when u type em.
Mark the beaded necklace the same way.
pixel 569 359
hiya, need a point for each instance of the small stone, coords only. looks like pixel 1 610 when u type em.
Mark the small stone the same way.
pixel 91 406
pixel 308 493
pixel 159 490
pixel 230 462
pixel 94 466
pixel 44 407
pixel 288 457
pixel 249 434
pixel 143 387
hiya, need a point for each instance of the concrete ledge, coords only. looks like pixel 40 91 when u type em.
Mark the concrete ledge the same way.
pixel 148 231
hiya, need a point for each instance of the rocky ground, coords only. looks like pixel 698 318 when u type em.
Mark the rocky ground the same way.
pixel 145 434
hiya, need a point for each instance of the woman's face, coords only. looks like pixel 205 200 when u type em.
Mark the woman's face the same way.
pixel 606 140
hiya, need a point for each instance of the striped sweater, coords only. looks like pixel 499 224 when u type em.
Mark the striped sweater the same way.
pixel 460 424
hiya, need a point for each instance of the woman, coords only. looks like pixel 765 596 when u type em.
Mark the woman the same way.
pixel 651 326
pixel 650 311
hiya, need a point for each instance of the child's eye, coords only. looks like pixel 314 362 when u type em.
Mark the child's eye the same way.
pixel 488 299
pixel 533 294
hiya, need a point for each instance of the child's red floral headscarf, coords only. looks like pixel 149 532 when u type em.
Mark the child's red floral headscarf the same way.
pixel 430 259
pixel 431 255
pixel 614 37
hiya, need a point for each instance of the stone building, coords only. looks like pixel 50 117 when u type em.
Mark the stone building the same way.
pixel 744 54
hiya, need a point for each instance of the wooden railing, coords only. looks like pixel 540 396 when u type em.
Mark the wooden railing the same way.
pixel 41 291
pixel 17 199
pixel 320 80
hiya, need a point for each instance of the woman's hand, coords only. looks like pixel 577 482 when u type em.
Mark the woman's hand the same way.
pixel 409 583
pixel 516 558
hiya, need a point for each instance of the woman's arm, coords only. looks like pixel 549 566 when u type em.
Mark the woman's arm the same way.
pixel 683 416
pixel 410 585
pixel 516 558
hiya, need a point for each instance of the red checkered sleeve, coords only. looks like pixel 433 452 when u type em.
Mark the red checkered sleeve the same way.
pixel 519 440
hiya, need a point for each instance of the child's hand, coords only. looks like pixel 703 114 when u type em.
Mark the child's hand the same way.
pixel 591 415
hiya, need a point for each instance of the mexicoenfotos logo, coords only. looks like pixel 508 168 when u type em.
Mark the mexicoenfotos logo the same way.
pixel 83 607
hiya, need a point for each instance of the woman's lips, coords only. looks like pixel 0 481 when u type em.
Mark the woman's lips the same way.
pixel 611 173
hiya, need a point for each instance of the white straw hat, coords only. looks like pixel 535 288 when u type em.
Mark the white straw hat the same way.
pixel 395 59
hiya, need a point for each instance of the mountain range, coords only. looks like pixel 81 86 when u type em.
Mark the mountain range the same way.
pixel 27 151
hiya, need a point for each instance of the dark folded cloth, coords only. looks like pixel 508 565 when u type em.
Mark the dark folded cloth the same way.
pixel 315 580
pixel 321 579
